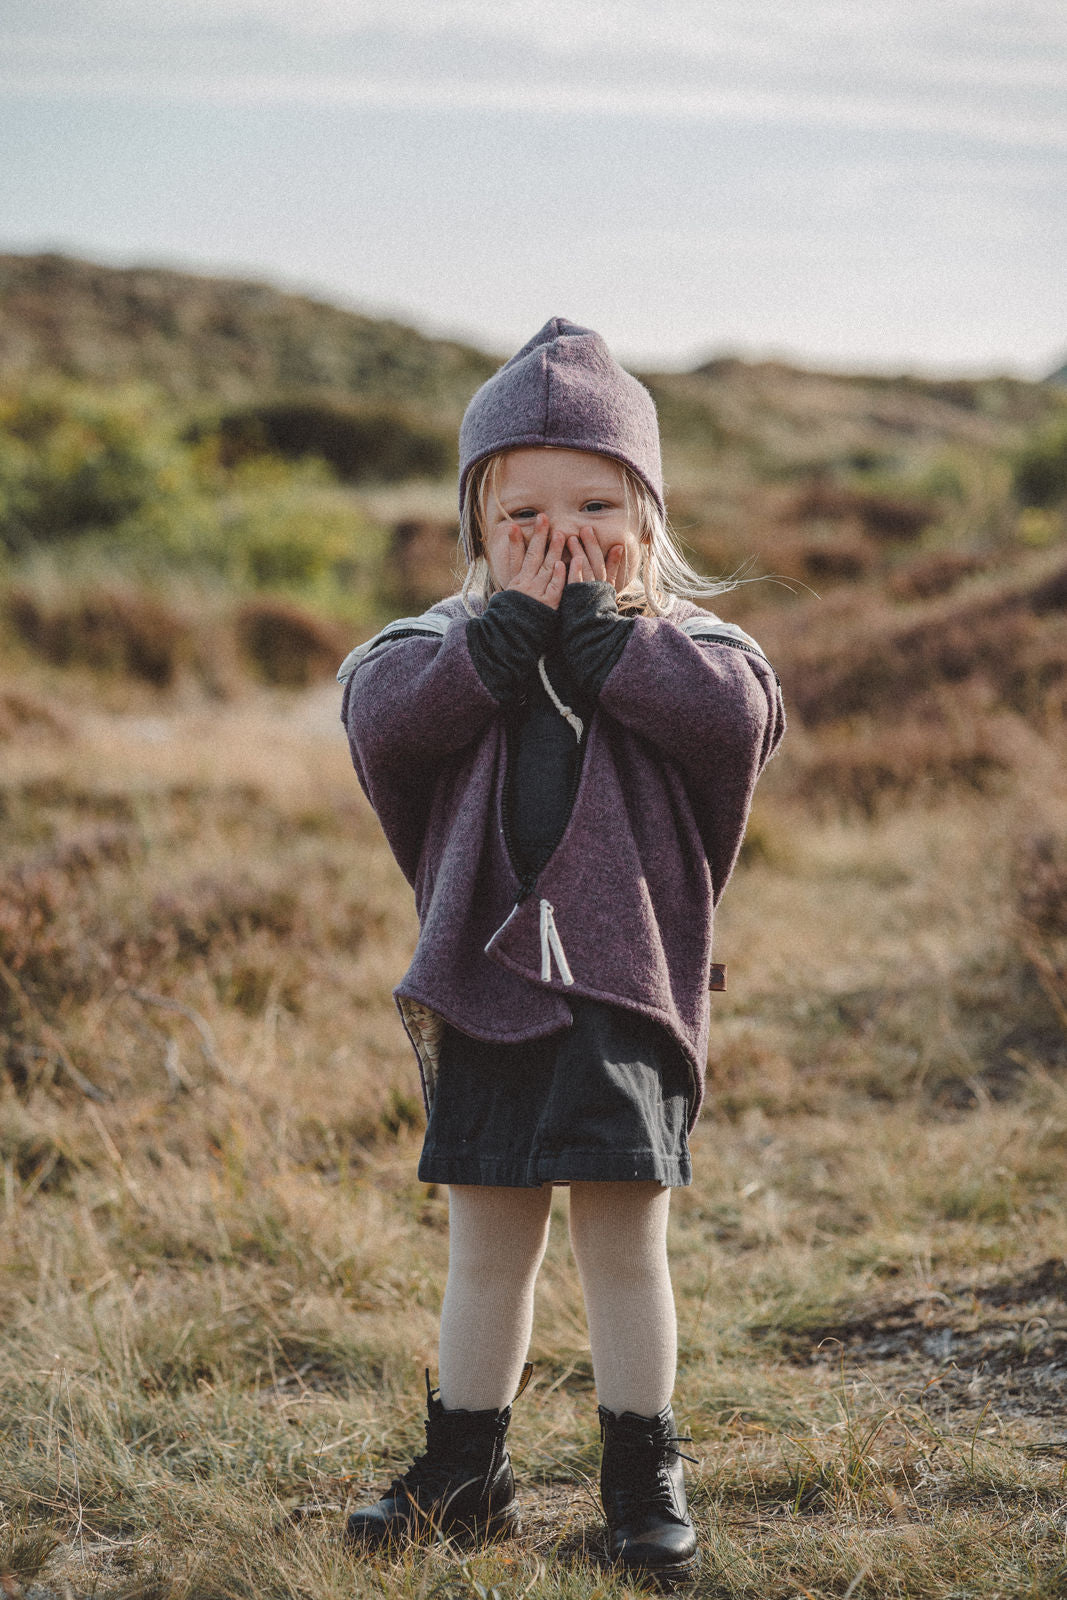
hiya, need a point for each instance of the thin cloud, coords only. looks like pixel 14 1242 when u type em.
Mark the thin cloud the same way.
pixel 962 46
pixel 878 109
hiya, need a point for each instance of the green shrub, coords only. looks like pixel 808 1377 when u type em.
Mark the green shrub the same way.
pixel 72 461
pixel 1040 475
pixel 104 481
pixel 289 528
pixel 360 443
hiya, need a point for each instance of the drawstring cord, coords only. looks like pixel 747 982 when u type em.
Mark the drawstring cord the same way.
pixel 565 711
pixel 552 945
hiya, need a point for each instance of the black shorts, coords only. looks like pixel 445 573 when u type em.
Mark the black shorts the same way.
pixel 605 1099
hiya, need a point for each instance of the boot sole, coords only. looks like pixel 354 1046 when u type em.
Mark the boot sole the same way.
pixel 503 1524
pixel 664 1578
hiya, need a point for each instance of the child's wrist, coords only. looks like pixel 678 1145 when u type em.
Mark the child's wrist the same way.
pixel 589 598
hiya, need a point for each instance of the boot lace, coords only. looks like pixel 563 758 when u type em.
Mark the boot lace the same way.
pixel 437 1475
pixel 644 1483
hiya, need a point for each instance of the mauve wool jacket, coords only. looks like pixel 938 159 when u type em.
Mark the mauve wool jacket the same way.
pixel 681 731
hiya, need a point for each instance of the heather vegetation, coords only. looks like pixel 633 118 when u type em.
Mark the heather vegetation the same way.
pixel 219 1277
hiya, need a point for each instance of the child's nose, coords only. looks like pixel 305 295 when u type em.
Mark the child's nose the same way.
pixel 566 525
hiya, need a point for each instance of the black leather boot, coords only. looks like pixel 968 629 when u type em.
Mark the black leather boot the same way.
pixel 642 1485
pixel 463 1485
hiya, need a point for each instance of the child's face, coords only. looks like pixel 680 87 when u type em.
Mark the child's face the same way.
pixel 576 492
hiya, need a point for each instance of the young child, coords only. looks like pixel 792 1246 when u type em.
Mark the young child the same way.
pixel 562 758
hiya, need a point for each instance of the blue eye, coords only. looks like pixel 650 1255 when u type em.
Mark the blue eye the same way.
pixel 596 505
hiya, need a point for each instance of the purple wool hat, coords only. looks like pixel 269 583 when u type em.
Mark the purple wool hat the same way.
pixel 564 388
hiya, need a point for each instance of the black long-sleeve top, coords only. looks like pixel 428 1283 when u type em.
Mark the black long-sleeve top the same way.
pixel 580 643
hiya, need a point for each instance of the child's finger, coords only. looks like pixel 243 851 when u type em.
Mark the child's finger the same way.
pixel 516 551
pixel 546 571
pixel 555 585
pixel 613 564
pixel 594 556
pixel 578 559
pixel 535 550
pixel 576 570
pixel 555 545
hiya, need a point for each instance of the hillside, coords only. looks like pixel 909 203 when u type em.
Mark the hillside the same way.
pixel 201 338
pixel 297 459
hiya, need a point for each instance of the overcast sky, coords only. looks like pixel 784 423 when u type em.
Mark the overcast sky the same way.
pixel 847 182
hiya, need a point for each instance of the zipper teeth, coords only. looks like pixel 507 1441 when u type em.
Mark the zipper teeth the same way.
pixel 749 649
pixel 526 883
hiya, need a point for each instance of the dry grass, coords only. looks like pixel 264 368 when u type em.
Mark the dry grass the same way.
pixel 951 677
pixel 220 1280
pixel 1008 633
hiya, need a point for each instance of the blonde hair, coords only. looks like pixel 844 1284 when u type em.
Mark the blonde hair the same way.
pixel 665 573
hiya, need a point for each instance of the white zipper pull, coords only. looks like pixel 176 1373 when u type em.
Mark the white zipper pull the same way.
pixel 552 945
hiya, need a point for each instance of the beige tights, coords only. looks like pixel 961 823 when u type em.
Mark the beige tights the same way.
pixel 497 1241
pixel 619 1239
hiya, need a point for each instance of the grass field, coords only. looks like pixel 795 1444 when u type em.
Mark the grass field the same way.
pixel 221 1280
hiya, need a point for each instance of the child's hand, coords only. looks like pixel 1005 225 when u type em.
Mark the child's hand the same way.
pixel 536 568
pixel 588 563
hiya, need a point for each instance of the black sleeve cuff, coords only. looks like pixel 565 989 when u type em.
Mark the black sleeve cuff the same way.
pixel 592 634
pixel 506 640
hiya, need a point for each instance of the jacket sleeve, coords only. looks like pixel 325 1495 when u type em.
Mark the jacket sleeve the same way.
pixel 423 690
pixel 713 709
pixel 411 705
